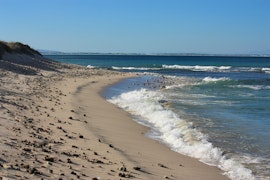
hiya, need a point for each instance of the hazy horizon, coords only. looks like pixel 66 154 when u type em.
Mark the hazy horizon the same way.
pixel 55 52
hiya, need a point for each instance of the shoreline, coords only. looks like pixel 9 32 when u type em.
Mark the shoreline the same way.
pixel 57 125
pixel 150 159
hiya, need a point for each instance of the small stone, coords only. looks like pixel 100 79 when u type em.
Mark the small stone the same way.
pixel 81 136
pixel 161 165
pixel 96 161
pixel 69 160
pixel 27 149
pixel 123 169
pixel 26 166
pixel 73 146
pixel 121 175
pixel 137 168
pixel 50 159
pixel 74 173
pixel 34 171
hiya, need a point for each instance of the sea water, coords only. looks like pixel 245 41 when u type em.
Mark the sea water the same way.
pixel 213 108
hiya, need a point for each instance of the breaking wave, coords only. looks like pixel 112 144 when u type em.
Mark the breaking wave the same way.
pixel 177 133
pixel 134 68
pixel 218 68
pixel 91 67
pixel 253 87
pixel 198 68
pixel 211 79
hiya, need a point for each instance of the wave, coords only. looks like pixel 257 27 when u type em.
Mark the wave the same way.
pixel 210 79
pixel 177 133
pixel 218 68
pixel 134 68
pixel 253 87
pixel 197 67
pixel 91 67
pixel 266 70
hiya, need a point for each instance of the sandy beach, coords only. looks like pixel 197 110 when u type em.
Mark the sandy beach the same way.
pixel 54 124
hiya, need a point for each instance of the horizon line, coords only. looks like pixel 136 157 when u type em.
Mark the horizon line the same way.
pixel 51 52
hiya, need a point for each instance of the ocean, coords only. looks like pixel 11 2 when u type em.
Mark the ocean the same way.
pixel 213 108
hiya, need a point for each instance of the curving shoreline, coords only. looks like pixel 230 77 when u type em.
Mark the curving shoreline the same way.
pixel 56 125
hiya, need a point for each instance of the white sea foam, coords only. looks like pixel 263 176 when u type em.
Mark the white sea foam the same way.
pixel 91 67
pixel 211 79
pixel 266 70
pixel 253 87
pixel 177 133
pixel 218 68
pixel 197 67
pixel 134 68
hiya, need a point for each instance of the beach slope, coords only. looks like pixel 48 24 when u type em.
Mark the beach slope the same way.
pixel 54 124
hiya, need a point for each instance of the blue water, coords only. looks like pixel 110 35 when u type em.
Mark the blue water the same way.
pixel 216 109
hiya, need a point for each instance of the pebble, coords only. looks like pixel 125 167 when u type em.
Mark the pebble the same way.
pixel 69 160
pixel 74 173
pixel 161 165
pixel 137 168
pixel 50 159
pixel 123 168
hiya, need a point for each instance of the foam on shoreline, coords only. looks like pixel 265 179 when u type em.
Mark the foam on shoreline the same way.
pixel 177 133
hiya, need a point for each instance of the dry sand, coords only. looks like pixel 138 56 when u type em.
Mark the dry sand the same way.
pixel 55 125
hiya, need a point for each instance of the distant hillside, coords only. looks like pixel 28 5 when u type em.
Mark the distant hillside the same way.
pixel 50 52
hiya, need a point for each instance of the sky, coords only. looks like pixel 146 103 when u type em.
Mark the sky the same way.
pixel 138 26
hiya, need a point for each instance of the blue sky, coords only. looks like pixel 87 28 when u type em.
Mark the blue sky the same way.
pixel 138 26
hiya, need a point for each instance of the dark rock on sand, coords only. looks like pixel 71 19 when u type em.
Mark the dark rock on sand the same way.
pixel 50 159
pixel 162 165
pixel 81 136
pixel 137 168
pixel 69 160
